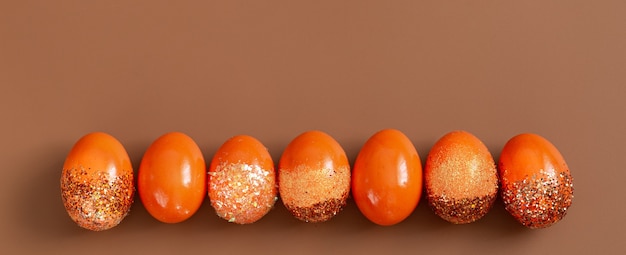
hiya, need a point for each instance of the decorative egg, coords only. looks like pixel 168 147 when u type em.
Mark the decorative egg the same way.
pixel 242 181
pixel 461 178
pixel 314 177
pixel 97 182
pixel 387 178
pixel 537 187
pixel 172 178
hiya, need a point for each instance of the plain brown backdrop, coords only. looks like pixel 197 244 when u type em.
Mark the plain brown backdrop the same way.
pixel 274 69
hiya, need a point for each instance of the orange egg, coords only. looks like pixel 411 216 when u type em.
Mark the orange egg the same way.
pixel 172 178
pixel 97 182
pixel 537 186
pixel 387 178
pixel 242 181
pixel 314 177
pixel 461 178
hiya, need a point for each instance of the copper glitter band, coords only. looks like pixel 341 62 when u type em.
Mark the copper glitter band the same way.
pixel 461 211
pixel 539 201
pixel 319 212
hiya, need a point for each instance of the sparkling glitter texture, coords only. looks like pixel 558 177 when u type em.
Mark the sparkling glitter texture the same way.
pixel 315 194
pixel 461 211
pixel 461 178
pixel 242 193
pixel 320 212
pixel 539 200
pixel 94 199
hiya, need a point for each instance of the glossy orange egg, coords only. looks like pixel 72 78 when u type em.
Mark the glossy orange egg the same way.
pixel 461 178
pixel 172 178
pixel 242 181
pixel 97 182
pixel 314 177
pixel 537 187
pixel 387 178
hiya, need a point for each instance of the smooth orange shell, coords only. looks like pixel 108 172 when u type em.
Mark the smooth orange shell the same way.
pixel 387 178
pixel 172 178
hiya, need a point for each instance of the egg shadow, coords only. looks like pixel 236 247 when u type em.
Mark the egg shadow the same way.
pixel 41 211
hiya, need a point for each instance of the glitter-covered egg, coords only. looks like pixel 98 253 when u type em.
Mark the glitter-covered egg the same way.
pixel 242 180
pixel 387 178
pixel 461 178
pixel 536 183
pixel 172 178
pixel 314 177
pixel 97 182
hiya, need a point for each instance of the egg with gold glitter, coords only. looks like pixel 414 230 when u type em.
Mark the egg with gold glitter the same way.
pixel 314 177
pixel 97 182
pixel 242 180
pixel 461 178
pixel 537 186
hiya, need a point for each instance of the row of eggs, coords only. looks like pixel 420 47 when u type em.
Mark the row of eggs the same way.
pixel 314 179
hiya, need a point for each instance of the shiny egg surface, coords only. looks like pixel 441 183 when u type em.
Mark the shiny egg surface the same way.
pixel 387 178
pixel 172 178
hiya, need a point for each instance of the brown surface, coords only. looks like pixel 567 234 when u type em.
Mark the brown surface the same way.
pixel 138 69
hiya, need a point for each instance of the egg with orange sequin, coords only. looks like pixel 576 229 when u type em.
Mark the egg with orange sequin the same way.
pixel 537 187
pixel 242 180
pixel 97 182
pixel 314 177
pixel 461 178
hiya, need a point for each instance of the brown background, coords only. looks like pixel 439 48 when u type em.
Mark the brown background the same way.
pixel 274 69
